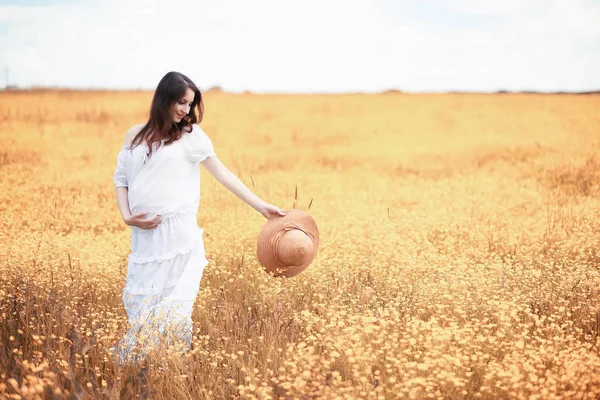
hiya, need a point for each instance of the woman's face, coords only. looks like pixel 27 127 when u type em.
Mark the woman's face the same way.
pixel 182 106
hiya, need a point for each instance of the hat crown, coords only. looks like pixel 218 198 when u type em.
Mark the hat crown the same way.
pixel 294 247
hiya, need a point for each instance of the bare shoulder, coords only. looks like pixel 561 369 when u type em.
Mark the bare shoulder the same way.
pixel 131 132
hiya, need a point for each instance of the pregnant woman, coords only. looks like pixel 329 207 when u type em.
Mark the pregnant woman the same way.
pixel 157 184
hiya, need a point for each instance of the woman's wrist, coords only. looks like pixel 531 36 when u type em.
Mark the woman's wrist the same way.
pixel 260 206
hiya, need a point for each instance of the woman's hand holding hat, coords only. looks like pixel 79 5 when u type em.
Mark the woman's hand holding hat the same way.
pixel 270 211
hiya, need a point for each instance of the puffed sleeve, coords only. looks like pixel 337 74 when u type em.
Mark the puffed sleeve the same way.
pixel 120 176
pixel 197 144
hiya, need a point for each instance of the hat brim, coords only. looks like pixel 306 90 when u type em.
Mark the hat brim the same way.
pixel 273 230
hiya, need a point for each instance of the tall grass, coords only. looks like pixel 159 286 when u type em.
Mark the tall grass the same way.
pixel 459 256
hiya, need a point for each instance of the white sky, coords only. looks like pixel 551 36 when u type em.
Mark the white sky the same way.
pixel 304 46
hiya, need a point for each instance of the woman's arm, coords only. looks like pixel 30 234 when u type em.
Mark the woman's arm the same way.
pixel 237 187
pixel 123 202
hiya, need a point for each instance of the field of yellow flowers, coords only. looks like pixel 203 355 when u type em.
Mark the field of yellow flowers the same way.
pixel 459 255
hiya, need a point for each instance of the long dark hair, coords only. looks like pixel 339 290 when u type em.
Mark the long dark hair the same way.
pixel 170 89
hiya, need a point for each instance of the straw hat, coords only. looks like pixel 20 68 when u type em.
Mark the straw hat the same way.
pixel 288 244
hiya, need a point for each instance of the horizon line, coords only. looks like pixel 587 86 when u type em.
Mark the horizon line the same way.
pixel 219 89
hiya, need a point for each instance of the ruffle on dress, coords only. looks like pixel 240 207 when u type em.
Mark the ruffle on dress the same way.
pixel 183 271
pixel 170 255
pixel 120 175
pixel 176 234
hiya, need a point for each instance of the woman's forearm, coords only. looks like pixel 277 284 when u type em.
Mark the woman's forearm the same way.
pixel 237 187
pixel 122 194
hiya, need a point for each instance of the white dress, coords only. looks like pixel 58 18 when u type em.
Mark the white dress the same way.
pixel 166 264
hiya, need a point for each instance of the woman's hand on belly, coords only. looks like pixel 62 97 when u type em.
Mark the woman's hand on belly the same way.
pixel 141 221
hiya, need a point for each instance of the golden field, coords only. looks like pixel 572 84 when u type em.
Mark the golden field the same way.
pixel 459 254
